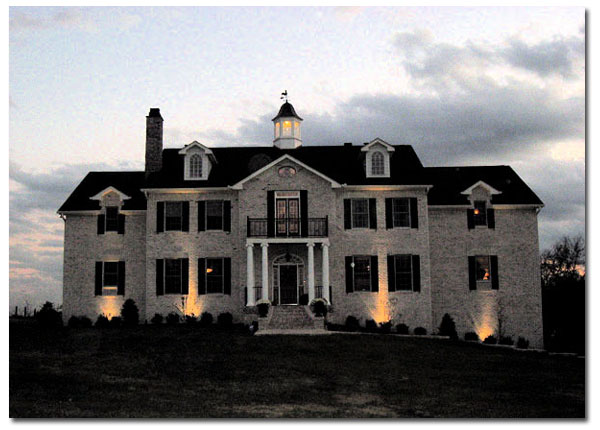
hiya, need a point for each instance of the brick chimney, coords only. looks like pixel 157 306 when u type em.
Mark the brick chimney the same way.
pixel 154 141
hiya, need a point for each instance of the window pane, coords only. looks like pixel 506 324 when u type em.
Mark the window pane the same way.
pixel 362 273
pixel 360 213
pixel 479 213
pixel 112 218
pixel 377 164
pixel 196 166
pixel 214 275
pixel 400 211
pixel 214 215
pixel 174 211
pixel 173 276
pixel 111 274
pixel 403 272
pixel 483 268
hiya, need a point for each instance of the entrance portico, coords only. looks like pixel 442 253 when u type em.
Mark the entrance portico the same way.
pixel 254 294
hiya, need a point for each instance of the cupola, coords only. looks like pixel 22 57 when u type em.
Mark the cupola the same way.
pixel 287 127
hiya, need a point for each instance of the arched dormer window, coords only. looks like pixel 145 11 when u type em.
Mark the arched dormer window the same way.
pixel 196 166
pixel 377 166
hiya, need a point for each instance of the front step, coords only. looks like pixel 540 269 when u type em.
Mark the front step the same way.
pixel 291 318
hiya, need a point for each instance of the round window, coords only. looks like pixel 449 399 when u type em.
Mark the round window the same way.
pixel 287 171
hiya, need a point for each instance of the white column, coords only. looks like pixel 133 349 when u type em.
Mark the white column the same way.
pixel 311 271
pixel 250 274
pixel 265 271
pixel 325 249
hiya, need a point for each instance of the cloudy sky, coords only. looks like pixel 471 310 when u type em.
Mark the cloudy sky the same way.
pixel 464 86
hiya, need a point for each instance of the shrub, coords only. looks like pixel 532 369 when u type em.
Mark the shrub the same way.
pixel 471 337
pixel 490 340
pixel 385 327
pixel 352 323
pixel 336 327
pixel 263 307
pixel 190 319
pixel 85 322
pixel 102 321
pixel 319 307
pixel 370 325
pixel 448 328
pixel 505 340
pixel 420 331
pixel 157 319
pixel 74 322
pixel 304 299
pixel 225 320
pixel 522 343
pixel 206 319
pixel 116 321
pixel 172 318
pixel 48 317
pixel 130 313
pixel 402 328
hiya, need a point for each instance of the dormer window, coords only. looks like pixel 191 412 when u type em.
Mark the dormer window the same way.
pixel 377 166
pixel 195 166
pixel 479 212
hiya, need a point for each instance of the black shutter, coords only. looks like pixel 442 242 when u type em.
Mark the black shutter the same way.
pixel 414 213
pixel 304 213
pixel 470 219
pixel 101 219
pixel 185 216
pixel 349 275
pixel 98 284
pixel 373 214
pixel 270 213
pixel 389 215
pixel 227 276
pixel 416 273
pixel 121 227
pixel 201 216
pixel 494 270
pixel 491 218
pixel 201 276
pixel 472 274
pixel 185 276
pixel 160 217
pixel 374 274
pixel 391 272
pixel 160 264
pixel 347 214
pixel 227 215
pixel 121 282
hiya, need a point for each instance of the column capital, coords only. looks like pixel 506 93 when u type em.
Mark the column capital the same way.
pixel 324 245
pixel 310 244
pixel 249 245
pixel 264 245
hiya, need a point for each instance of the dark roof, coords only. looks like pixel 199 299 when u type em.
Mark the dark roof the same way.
pixel 343 164
pixel 129 183
pixel 286 110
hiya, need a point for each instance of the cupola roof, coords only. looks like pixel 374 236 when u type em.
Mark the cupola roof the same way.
pixel 287 110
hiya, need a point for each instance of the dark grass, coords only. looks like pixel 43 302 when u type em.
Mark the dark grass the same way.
pixel 188 371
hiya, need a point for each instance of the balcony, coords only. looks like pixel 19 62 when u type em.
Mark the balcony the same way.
pixel 287 227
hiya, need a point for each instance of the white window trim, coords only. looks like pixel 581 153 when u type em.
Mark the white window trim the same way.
pixel 386 164
pixel 352 227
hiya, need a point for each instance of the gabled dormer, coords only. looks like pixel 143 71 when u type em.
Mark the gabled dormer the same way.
pixel 377 158
pixel 198 161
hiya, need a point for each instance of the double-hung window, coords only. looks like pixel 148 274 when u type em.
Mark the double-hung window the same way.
pixel 401 212
pixel 172 276
pixel 214 215
pixel 404 273
pixel 362 273
pixel 483 272
pixel 110 278
pixel 360 213
pixel 173 216
pixel 479 213
pixel 214 275
pixel 112 218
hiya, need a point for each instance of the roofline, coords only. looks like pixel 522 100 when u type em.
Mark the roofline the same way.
pixel 97 211
pixel 386 187
pixel 377 140
pixel 488 187
pixel 239 185
pixel 503 206
pixel 189 190
pixel 109 189
pixel 195 143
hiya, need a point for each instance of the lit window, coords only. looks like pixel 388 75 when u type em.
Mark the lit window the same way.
pixel 377 167
pixel 482 266
pixel 277 130
pixel 214 275
pixel 174 214
pixel 362 273
pixel 111 278
pixel 112 218
pixel 195 166
pixel 401 212
pixel 287 128
pixel 360 213
pixel 296 128
pixel 479 213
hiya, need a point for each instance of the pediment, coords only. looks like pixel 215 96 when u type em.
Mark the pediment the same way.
pixel 107 190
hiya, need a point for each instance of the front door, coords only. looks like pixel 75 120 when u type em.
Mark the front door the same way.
pixel 288 284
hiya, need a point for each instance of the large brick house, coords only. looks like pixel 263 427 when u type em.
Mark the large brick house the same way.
pixel 366 227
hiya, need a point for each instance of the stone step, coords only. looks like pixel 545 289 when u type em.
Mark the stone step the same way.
pixel 291 317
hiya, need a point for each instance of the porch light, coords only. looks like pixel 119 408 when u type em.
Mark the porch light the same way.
pixel 209 270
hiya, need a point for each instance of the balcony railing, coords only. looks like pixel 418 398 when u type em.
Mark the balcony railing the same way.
pixel 287 227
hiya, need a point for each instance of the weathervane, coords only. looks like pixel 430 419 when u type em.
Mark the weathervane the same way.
pixel 284 96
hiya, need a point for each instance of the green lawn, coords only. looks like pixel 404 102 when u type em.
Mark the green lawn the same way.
pixel 186 371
